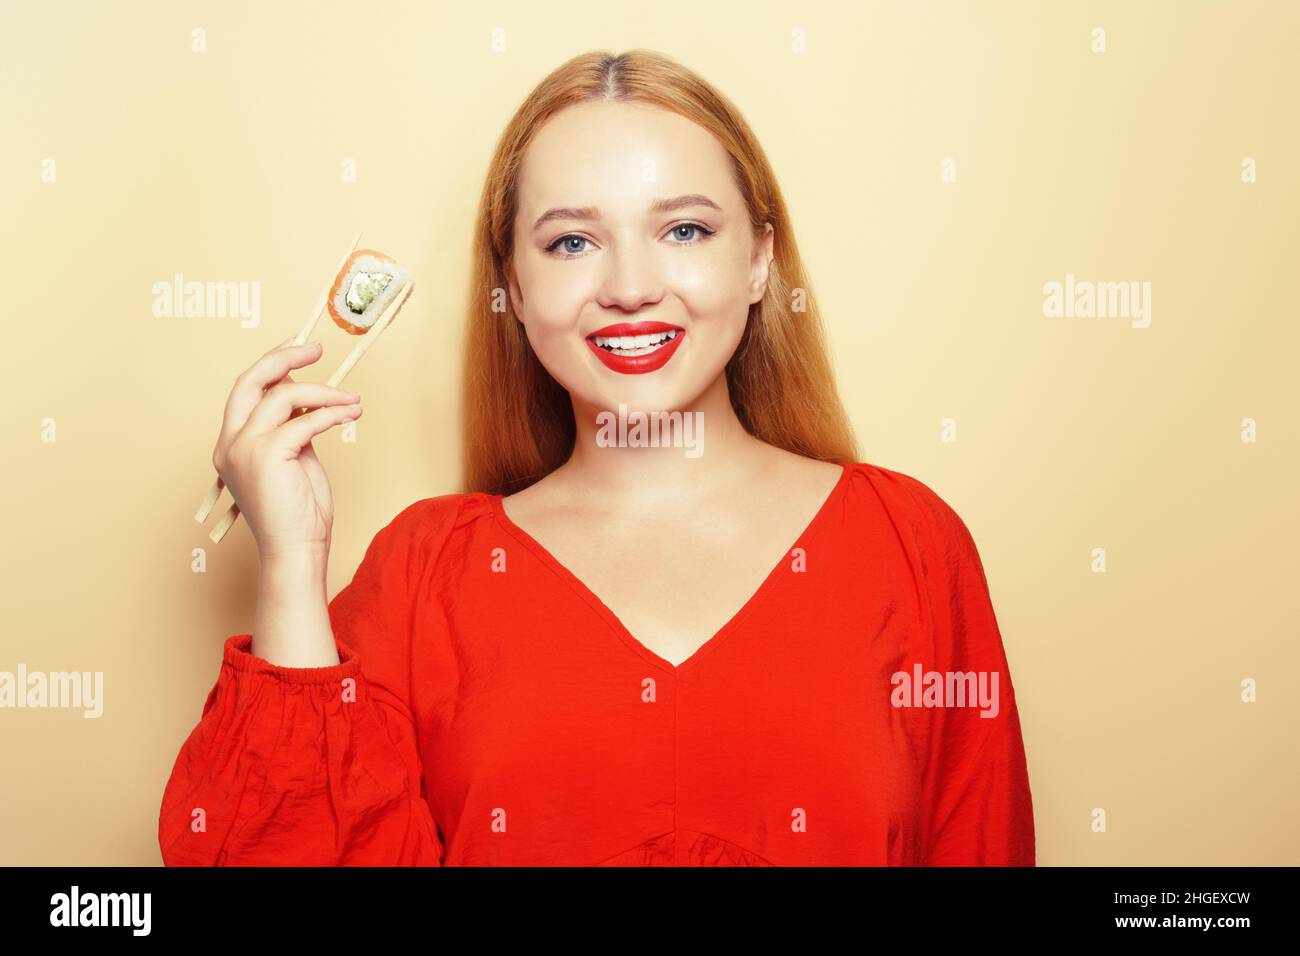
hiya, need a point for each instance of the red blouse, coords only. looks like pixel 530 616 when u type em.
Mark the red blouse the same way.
pixel 489 709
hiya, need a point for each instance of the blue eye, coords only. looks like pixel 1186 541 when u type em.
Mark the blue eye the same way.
pixel 551 247
pixel 570 253
pixel 691 225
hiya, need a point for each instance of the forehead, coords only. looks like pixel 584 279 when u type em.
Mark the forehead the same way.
pixel 620 156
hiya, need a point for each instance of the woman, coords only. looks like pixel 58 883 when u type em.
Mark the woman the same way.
pixel 728 642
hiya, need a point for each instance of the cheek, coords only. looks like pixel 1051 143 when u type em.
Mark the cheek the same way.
pixel 713 287
pixel 554 303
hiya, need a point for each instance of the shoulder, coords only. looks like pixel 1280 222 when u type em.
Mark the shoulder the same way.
pixel 431 514
pixel 933 523
pixel 422 528
pixel 947 562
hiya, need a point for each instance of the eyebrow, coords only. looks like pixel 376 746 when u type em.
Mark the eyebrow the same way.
pixel 658 206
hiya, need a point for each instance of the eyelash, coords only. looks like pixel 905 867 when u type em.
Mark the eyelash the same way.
pixel 681 225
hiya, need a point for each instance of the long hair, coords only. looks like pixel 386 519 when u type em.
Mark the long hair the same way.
pixel 518 421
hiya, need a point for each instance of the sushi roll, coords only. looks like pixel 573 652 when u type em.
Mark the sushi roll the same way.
pixel 364 287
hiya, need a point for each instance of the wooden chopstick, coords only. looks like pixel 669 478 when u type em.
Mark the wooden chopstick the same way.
pixel 369 338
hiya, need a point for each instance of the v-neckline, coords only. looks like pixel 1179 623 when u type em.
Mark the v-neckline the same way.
pixel 615 624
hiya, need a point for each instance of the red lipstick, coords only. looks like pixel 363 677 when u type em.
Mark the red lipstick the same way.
pixel 619 360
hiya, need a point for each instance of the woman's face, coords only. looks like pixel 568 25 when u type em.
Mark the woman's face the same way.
pixel 630 225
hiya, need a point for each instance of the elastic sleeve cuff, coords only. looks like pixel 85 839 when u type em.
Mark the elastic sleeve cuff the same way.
pixel 238 656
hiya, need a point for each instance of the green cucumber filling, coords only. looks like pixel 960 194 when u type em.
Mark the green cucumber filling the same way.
pixel 365 288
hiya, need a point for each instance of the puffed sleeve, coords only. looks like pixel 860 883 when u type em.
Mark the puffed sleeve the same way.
pixel 317 766
pixel 977 805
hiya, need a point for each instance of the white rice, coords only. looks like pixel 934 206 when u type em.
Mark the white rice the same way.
pixel 368 263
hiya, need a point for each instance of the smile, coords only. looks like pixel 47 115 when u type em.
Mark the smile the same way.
pixel 635 347
pixel 634 344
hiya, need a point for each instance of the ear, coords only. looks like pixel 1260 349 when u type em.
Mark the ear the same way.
pixel 760 265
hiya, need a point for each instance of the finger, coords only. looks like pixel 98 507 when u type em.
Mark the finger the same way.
pixel 291 436
pixel 279 401
pixel 270 369
pixel 285 344
pixel 299 410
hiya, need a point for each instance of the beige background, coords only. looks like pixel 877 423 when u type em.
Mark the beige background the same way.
pixel 1072 433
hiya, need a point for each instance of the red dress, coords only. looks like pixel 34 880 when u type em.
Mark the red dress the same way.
pixel 490 710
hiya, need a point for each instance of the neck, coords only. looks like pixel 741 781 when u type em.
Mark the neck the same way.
pixel 702 447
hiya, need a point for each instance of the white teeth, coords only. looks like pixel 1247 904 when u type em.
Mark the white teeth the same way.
pixel 635 344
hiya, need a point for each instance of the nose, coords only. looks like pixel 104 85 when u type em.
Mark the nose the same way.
pixel 632 277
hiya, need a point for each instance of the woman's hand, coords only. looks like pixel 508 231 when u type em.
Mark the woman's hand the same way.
pixel 265 457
